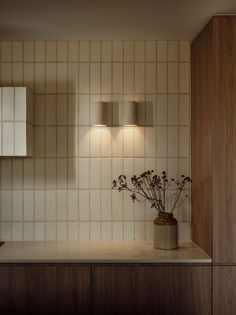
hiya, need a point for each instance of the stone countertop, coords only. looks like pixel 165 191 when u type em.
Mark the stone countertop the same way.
pixel 98 252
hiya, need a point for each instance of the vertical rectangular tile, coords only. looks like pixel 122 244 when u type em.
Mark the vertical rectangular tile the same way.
pixel 106 78
pixel 39 205
pixel 51 48
pixel 95 173
pixel 83 78
pixel 117 50
pixel 173 141
pixel 106 50
pixel 162 51
pixel 50 205
pixel 128 78
pixel 106 180
pixel 8 96
pixel 139 50
pixel 106 205
pixel 139 78
pixel 172 77
pixel 40 50
pixel 161 78
pixel 95 77
pixel 150 78
pixel 84 51
pixel 28 51
pixel 40 75
pixel 73 206
pixel 51 77
pixel 50 110
pixel 84 205
pixel 95 205
pixel 62 51
pixel 128 51
pixel 73 77
pixel 8 138
pixel 73 51
pixel 184 78
pixel 95 51
pixel 62 77
pixel 17 51
pixel 151 50
pixel 6 51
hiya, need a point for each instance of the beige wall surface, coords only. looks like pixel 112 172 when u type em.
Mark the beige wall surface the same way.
pixel 64 191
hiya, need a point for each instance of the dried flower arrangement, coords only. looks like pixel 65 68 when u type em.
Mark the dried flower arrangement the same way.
pixel 163 194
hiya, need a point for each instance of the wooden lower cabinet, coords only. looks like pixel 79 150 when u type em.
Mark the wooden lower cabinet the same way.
pixel 44 289
pixel 151 290
pixel 224 290
pixel 100 289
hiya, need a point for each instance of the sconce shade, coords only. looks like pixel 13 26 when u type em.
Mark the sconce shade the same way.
pixel 99 114
pixel 129 113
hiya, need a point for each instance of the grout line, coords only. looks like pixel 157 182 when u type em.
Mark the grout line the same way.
pixel 67 138
pixel 123 77
pixel 45 160
pixel 111 134
pixel 89 171
pixel 100 146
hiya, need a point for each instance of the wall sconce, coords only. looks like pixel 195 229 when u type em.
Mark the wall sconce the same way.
pixel 100 114
pixel 128 113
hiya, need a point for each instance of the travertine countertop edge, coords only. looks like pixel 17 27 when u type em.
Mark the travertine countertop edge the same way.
pixel 98 252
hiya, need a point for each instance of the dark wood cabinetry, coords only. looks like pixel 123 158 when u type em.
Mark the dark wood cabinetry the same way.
pixel 214 155
pixel 214 139
pixel 44 289
pixel 151 290
pixel 224 290
pixel 105 289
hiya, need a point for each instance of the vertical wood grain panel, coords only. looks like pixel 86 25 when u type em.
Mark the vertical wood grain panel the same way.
pixel 214 139
pixel 224 140
pixel 224 290
pixel 152 290
pixel 201 150
pixel 44 289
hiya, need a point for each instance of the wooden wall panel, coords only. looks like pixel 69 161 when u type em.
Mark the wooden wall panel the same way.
pixel 214 139
pixel 201 151
pixel 151 290
pixel 224 290
pixel 224 140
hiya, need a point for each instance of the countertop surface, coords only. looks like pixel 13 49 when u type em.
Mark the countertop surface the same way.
pixel 98 252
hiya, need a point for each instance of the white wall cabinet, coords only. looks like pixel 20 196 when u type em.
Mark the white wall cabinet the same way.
pixel 16 121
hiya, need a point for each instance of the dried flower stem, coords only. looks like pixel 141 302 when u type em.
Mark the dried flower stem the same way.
pixel 153 188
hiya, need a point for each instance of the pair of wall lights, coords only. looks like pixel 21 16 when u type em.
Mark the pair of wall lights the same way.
pixel 114 114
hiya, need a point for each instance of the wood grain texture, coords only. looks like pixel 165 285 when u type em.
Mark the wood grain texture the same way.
pixel 214 139
pixel 224 290
pixel 201 149
pixel 151 290
pixel 224 140
pixel 55 289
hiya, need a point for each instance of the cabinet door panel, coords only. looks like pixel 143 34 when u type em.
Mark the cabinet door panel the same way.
pixel 165 290
pixel 44 289
pixel 224 290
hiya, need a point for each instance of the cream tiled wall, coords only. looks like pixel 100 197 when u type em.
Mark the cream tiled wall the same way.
pixel 64 192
